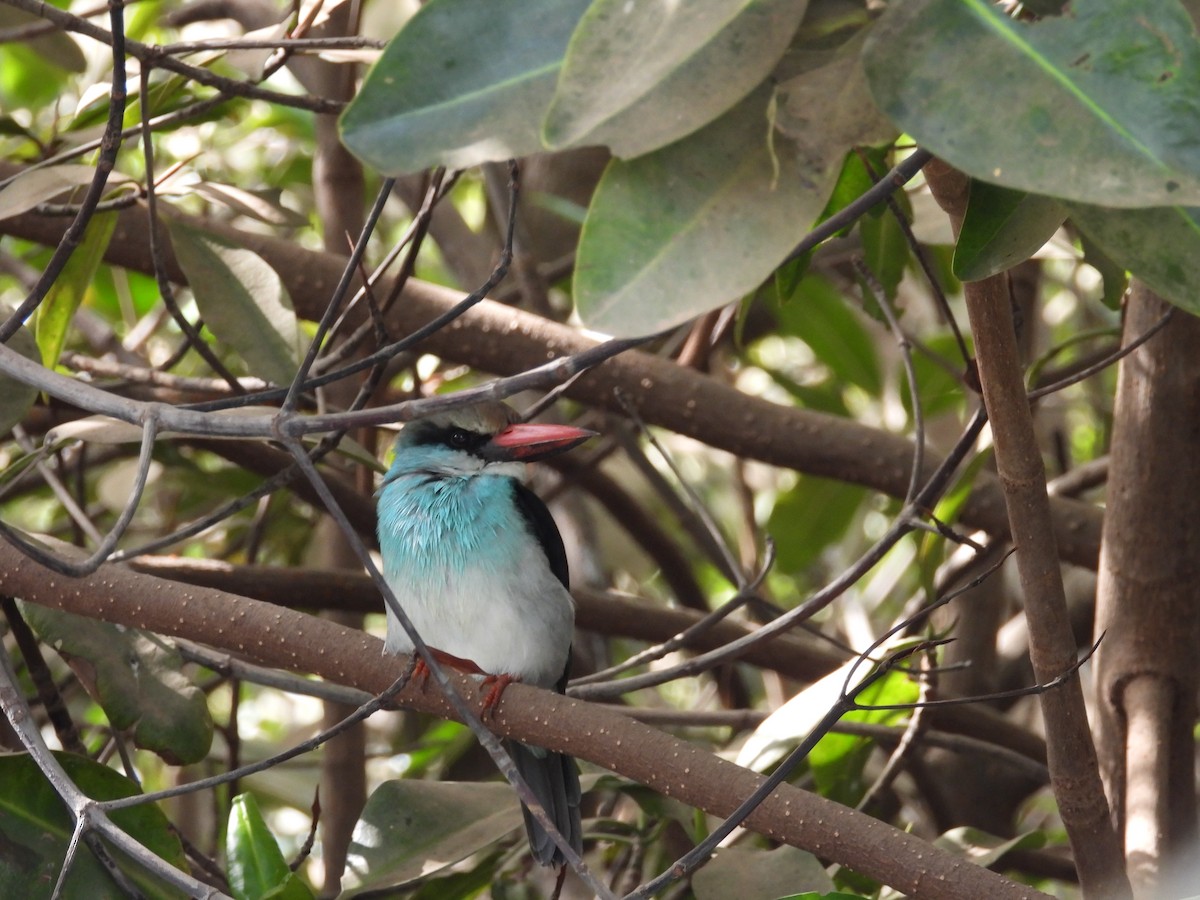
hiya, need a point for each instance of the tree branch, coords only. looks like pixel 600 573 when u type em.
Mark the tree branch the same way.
pixel 503 340
pixel 1052 650
pixel 273 636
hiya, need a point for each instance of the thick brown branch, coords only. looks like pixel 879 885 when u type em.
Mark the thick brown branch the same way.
pixel 273 636
pixel 1052 650
pixel 503 340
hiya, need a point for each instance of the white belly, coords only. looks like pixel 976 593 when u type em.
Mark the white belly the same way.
pixel 514 619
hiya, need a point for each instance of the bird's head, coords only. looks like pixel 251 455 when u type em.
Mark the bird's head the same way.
pixel 486 436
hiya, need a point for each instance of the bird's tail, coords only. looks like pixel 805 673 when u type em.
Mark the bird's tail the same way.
pixel 554 780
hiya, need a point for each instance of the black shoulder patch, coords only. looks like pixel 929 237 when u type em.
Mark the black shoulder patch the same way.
pixel 541 523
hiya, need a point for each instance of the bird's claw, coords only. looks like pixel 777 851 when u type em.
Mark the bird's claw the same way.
pixel 467 666
pixel 496 685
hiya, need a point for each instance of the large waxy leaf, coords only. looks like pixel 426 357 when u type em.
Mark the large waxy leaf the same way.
pixel 56 47
pixel 242 299
pixel 830 102
pixel 56 311
pixel 1097 105
pixel 408 827
pixel 137 681
pixel 1161 246
pixel 697 224
pixel 35 829
pixel 465 82
pixel 749 872
pixel 638 76
pixel 1002 228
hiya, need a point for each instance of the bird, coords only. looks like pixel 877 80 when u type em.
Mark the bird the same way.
pixel 478 565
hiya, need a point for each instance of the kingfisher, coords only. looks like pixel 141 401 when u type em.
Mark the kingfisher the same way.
pixel 477 563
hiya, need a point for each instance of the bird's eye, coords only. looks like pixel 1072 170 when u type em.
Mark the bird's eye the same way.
pixel 459 438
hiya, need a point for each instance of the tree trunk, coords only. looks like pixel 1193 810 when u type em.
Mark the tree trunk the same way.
pixel 1146 608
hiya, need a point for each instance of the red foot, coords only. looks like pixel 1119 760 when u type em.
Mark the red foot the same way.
pixel 420 670
pixel 496 685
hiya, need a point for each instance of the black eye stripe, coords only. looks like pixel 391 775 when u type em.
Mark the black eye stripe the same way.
pixel 452 436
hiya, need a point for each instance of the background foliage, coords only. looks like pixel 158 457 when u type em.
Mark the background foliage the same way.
pixel 736 186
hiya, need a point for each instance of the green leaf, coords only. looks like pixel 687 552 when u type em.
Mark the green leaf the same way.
pixel 637 77
pixel 1113 277
pixel 464 82
pixel 885 254
pixel 830 103
pixel 1096 106
pixel 242 299
pixel 36 186
pixel 414 828
pixel 137 680
pixel 838 760
pixel 55 47
pixel 696 225
pixel 853 181
pixel 791 723
pixel 984 849
pixel 752 874
pixel 810 517
pixel 35 829
pixel 55 313
pixel 939 389
pixel 468 885
pixel 1002 228
pixel 257 869
pixel 821 317
pixel 16 397
pixel 1160 245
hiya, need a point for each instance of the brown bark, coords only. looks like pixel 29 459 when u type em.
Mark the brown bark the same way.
pixel 272 636
pixel 1148 602
pixel 1071 756
pixel 503 340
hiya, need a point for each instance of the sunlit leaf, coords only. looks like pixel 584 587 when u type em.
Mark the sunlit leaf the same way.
pixel 787 726
pixel 838 760
pixel 697 224
pixel 1002 228
pixel 56 311
pixel 464 82
pixel 1098 104
pixel 638 76
pixel 137 680
pixel 242 299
